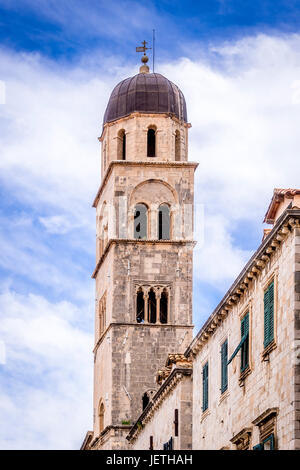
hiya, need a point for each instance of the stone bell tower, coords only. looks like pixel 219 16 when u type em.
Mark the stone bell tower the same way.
pixel 144 251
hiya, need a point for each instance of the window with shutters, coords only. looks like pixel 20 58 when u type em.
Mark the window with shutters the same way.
pixel 169 445
pixel 205 387
pixel 243 347
pixel 266 423
pixel 224 367
pixel 269 314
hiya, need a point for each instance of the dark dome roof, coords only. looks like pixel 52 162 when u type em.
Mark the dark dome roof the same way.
pixel 146 93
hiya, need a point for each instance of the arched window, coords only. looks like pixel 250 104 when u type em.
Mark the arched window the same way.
pixel 164 306
pixel 145 400
pixel 121 145
pixel 140 222
pixel 140 306
pixel 151 306
pixel 177 146
pixel 151 142
pixel 164 222
pixel 102 314
pixel 104 157
pixel 101 417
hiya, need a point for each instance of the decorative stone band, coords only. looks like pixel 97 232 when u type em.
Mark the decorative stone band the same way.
pixel 139 114
pixel 286 223
pixel 170 383
pixel 137 325
pixel 135 241
pixel 163 164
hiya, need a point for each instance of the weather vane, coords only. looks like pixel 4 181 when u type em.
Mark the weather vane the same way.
pixel 143 48
pixel 145 58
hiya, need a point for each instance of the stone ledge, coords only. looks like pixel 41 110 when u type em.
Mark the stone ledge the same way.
pixel 266 352
pixel 160 163
pixel 131 241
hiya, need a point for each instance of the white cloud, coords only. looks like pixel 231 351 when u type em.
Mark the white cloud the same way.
pixel 57 224
pixel 48 374
pixel 245 136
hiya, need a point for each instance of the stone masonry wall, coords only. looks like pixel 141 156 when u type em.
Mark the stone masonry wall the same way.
pixel 297 343
pixel 161 424
pixel 270 382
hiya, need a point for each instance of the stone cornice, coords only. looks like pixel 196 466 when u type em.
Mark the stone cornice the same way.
pixel 135 241
pixel 139 325
pixel 168 385
pixel 139 114
pixel 160 163
pixel 285 224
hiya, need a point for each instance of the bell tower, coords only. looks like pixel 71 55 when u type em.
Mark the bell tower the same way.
pixel 144 249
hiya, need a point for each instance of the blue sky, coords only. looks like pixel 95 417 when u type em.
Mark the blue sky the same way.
pixel 237 64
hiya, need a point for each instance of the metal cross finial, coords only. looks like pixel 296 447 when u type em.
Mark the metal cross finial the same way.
pixel 144 48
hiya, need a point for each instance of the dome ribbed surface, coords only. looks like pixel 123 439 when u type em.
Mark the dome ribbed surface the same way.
pixel 146 93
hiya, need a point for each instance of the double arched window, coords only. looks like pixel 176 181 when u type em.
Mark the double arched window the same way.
pixel 152 304
pixel 141 222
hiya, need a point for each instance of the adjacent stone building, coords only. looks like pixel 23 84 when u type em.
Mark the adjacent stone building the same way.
pixel 236 385
pixel 245 360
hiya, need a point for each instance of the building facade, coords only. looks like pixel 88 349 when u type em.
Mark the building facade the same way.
pixel 236 385
pixel 144 250
pixel 245 360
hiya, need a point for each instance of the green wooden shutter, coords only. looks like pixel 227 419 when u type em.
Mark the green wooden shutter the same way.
pixel 245 345
pixel 205 387
pixel 258 447
pixel 224 371
pixel 269 314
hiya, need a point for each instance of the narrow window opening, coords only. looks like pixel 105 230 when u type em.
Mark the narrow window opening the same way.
pixel 164 222
pixel 151 443
pixel 151 143
pixel 145 400
pixel 176 422
pixel 140 307
pixel 101 418
pixel 121 150
pixel 177 146
pixel 140 222
pixel 152 306
pixel 124 147
pixel 164 307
